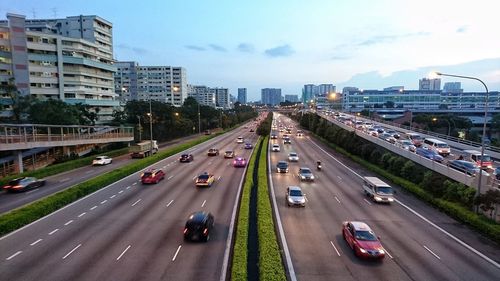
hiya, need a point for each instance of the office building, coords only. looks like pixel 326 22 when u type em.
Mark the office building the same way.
pixel 271 96
pixel 426 84
pixel 395 88
pixel 222 98
pixel 69 59
pixel 292 98
pixel 311 91
pixel 203 95
pixel 159 83
pixel 242 95
pixel 452 87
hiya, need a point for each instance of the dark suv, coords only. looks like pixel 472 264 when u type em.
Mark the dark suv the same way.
pixel 186 158
pixel 282 167
pixel 199 226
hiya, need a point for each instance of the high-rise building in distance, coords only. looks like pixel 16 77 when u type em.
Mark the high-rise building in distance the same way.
pixel 292 98
pixel 242 95
pixel 271 96
pixel 426 84
pixel 452 87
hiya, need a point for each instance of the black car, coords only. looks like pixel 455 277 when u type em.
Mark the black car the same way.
pixel 199 226
pixel 213 152
pixel 186 158
pixel 282 167
pixel 24 183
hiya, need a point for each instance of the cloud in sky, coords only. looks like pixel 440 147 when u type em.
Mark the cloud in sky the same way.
pixel 217 48
pixel 245 48
pixel 137 50
pixel 389 38
pixel 280 51
pixel 340 58
pixel 195 48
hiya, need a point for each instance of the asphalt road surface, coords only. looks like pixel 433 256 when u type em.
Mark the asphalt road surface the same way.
pixel 416 236
pixel 130 231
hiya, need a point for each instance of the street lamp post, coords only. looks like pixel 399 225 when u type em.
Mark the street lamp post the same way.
pixel 199 119
pixel 139 127
pixel 150 128
pixel 484 125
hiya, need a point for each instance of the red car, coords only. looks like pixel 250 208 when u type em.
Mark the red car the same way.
pixel 239 162
pixel 152 176
pixel 362 240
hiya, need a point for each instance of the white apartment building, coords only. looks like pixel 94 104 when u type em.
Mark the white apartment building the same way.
pixel 70 59
pixel 159 83
pixel 203 95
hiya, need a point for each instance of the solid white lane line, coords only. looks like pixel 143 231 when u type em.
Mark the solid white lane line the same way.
pixel 68 222
pixel 431 252
pixel 54 231
pixel 11 257
pixel 497 265
pixel 93 208
pixel 121 191
pixel 170 202
pixel 128 187
pixel 65 179
pixel 170 177
pixel 388 253
pixel 367 201
pixel 112 196
pixel 36 242
pixel 333 245
pixel 136 202
pixel 203 204
pixel 176 252
pixel 70 252
pixel 82 214
pixel 337 199
pixel 104 201
pixel 124 251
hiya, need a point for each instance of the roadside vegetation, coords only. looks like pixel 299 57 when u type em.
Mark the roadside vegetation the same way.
pixel 455 199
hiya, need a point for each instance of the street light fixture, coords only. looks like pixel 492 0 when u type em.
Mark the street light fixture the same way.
pixel 150 114
pixel 484 124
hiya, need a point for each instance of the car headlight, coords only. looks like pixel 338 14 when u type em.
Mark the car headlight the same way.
pixel 290 199
pixel 312 177
pixel 490 166
pixel 302 177
pixel 377 198
pixel 381 251
pixel 362 250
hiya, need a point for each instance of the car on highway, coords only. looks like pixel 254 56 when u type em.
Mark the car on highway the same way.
pixel 239 140
pixel 248 145
pixel 199 226
pixel 152 176
pixel 274 136
pixel 496 173
pixel 429 153
pixel 406 144
pixel 293 157
pixel 186 158
pixel 239 162
pixel 23 184
pixel 102 160
pixel 205 180
pixel 213 152
pixel 300 133
pixel 415 138
pixel 372 132
pixel 394 134
pixel 275 148
pixel 362 240
pixel 229 154
pixel 282 167
pixel 387 137
pixel 287 140
pixel 305 174
pixel 295 197
pixel 470 168
pixel 252 130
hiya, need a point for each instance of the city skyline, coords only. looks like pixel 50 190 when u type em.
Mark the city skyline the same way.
pixel 289 44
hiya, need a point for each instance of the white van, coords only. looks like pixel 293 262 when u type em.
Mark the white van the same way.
pixel 378 190
pixel 439 146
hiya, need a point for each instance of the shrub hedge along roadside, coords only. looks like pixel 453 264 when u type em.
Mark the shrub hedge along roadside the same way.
pixel 453 198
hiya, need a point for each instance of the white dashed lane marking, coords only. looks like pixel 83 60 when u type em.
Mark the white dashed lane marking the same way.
pixel 36 242
pixel 136 202
pixel 54 231
pixel 70 252
pixel 176 252
pixel 171 201
pixel 11 257
pixel 124 251
pixel 68 222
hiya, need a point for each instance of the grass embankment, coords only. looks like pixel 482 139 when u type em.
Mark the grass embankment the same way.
pixel 22 216
pixel 270 264
pixel 480 223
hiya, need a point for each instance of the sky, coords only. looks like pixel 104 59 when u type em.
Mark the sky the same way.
pixel 286 44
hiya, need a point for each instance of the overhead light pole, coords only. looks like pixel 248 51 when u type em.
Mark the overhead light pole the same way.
pixel 484 125
pixel 150 114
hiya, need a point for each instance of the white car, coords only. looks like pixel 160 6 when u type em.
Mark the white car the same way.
pixel 239 140
pixel 275 148
pixel 102 160
pixel 293 157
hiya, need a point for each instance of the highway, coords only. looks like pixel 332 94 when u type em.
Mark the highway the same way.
pixel 130 231
pixel 415 236
pixel 55 183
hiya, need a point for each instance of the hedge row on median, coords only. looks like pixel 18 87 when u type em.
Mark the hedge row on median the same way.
pixel 22 216
pixel 270 264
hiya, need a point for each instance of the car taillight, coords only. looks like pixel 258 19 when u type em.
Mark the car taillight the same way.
pixel 205 231
pixel 234 162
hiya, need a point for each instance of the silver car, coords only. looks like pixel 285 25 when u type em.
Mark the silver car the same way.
pixel 406 144
pixel 293 157
pixel 305 174
pixel 295 197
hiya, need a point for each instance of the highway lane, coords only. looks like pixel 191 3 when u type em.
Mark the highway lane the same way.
pixel 418 251
pixel 55 183
pixel 128 231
